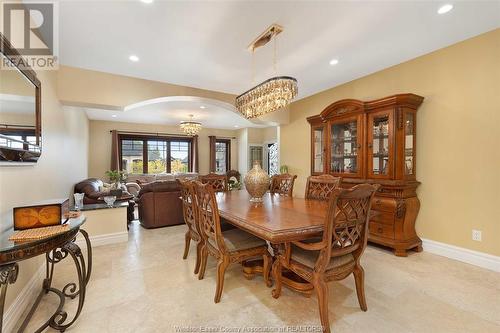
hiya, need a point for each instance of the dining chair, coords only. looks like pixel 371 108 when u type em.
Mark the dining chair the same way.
pixel 191 219
pixel 282 184
pixel 231 246
pixel 321 187
pixel 339 251
pixel 218 182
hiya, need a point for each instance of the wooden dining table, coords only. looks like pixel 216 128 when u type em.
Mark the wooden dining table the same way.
pixel 277 219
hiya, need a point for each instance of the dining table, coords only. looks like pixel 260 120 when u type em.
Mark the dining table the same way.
pixel 277 219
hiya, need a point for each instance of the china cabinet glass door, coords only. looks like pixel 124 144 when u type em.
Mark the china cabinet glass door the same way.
pixel 380 150
pixel 345 136
pixel 410 144
pixel 318 150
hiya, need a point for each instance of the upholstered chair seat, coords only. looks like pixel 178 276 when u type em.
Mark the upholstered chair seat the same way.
pixel 237 240
pixel 309 258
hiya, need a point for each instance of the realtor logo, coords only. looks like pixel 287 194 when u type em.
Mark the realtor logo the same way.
pixel 31 29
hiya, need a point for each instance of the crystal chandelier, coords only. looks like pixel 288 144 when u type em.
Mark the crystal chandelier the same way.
pixel 190 127
pixel 272 94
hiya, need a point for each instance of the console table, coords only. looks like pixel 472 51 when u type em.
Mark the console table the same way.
pixel 55 248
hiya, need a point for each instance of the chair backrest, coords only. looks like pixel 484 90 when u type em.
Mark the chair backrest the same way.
pixel 321 187
pixel 218 182
pixel 282 184
pixel 346 223
pixel 188 205
pixel 208 216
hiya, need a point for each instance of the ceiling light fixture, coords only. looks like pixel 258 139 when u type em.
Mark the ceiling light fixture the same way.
pixel 203 107
pixel 190 127
pixel 333 62
pixel 445 8
pixel 133 58
pixel 274 93
pixel 147 1
pixel 114 116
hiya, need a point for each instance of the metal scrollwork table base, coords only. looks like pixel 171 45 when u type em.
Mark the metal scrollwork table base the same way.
pixel 56 249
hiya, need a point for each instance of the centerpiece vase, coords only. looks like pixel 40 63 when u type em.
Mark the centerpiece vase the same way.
pixel 256 182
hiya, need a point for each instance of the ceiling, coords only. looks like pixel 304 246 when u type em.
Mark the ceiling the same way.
pixel 172 110
pixel 203 44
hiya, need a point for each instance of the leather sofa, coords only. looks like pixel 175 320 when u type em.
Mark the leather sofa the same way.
pixel 91 190
pixel 142 179
pixel 160 205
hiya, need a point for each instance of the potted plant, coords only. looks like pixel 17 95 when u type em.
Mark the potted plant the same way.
pixel 116 177
pixel 284 169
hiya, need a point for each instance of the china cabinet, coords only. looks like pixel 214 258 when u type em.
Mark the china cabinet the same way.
pixel 374 142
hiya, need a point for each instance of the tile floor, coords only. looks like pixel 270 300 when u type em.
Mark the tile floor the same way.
pixel 145 286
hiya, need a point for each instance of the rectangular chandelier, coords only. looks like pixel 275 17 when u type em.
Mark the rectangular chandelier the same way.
pixel 271 95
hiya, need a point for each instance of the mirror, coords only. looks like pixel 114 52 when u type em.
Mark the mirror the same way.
pixel 20 125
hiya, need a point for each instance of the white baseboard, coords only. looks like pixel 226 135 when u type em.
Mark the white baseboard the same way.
pixel 23 300
pixel 476 258
pixel 31 290
pixel 99 240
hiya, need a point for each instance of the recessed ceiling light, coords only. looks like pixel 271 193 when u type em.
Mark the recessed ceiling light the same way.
pixel 445 8
pixel 236 126
pixel 147 1
pixel 114 116
pixel 203 107
pixel 334 62
pixel 133 58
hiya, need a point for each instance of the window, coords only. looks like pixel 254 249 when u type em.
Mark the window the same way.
pixel 256 153
pixel 179 156
pixel 163 155
pixel 222 156
pixel 132 156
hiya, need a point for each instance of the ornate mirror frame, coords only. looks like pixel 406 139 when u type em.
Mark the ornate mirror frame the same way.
pixel 31 152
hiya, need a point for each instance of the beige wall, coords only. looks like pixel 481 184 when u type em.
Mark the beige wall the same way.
pixel 63 163
pixel 13 82
pixel 458 155
pixel 100 143
pixel 270 134
pixel 81 87
pixel 18 119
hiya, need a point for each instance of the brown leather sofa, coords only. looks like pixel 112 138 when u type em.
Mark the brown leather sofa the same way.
pixel 90 187
pixel 160 204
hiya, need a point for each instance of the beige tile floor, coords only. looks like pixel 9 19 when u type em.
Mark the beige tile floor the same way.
pixel 145 286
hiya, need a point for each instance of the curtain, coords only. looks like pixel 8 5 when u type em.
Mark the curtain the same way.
pixel 212 140
pixel 115 151
pixel 195 165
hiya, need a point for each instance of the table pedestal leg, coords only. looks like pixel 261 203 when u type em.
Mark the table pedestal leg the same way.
pixel 288 278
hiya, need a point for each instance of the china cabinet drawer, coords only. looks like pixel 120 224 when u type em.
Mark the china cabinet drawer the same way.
pixel 384 204
pixel 382 230
pixel 383 217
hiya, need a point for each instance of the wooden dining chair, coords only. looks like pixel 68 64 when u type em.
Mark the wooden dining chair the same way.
pixel 339 251
pixel 321 187
pixel 191 220
pixel 231 246
pixel 282 184
pixel 218 182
